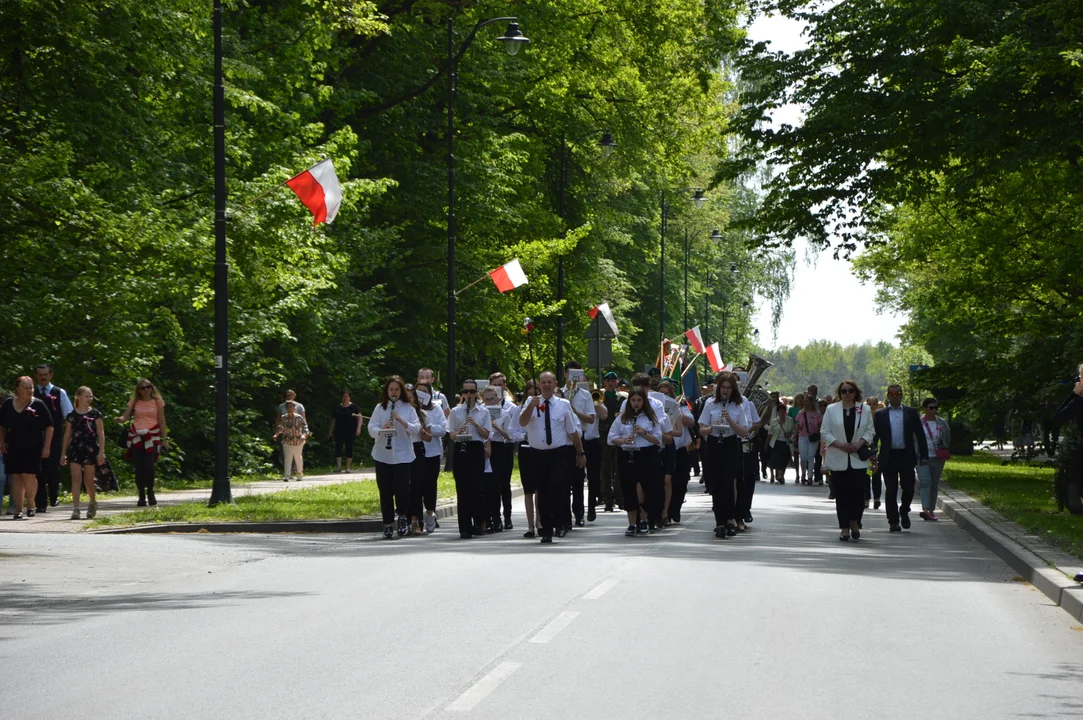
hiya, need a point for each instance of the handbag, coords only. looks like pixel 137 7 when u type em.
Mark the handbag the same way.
pixel 942 453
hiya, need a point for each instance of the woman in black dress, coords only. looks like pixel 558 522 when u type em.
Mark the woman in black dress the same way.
pixel 84 449
pixel 345 427
pixel 26 434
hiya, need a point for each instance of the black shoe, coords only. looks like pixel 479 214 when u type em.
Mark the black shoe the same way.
pixel 18 516
pixel 720 532
pixel 404 526
pixel 389 532
pixel 151 500
pixel 652 527
pixel 53 503
pixel 894 527
pixel 462 536
pixel 748 518
pixel 529 534
pixel 875 504
pixel 630 532
pixel 592 515
pixel 579 522
pixel 31 512
pixel 905 520
pixel 844 538
pixel 731 530
pixel 643 528
pixel 40 509
pixel 546 539
pixel 507 524
pixel 831 495
pixel 609 507
pixel 560 532
pixel 142 502
pixel 855 534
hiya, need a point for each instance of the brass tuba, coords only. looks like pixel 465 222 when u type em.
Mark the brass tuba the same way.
pixel 752 389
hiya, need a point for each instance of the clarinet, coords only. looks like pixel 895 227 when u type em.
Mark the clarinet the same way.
pixel 388 446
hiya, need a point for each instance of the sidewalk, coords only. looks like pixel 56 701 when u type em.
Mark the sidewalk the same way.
pixel 57 519
pixel 1045 567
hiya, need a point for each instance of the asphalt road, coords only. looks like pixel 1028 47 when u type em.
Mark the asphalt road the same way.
pixel 783 621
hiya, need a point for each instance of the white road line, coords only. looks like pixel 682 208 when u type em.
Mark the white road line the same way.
pixel 481 689
pixel 602 589
pixel 550 631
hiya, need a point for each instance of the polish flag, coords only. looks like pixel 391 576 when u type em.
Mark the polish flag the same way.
pixel 508 277
pixel 695 339
pixel 607 316
pixel 319 190
pixel 714 356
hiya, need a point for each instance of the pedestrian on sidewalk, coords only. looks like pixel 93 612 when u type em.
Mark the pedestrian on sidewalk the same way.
pixel 428 449
pixel 148 437
pixel 345 428
pixel 876 484
pixel 391 424
pixel 292 431
pixel 778 439
pixel 900 445
pixel 83 448
pixel 848 433
pixel 26 438
pixel 808 439
pixel 56 399
pixel 938 438
pixel 469 427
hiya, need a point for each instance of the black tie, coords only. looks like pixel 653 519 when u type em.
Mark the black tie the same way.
pixel 40 393
pixel 548 427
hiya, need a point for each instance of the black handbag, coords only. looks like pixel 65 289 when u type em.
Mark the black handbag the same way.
pixel 865 452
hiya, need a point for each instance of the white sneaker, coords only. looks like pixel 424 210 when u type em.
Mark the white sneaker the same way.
pixel 430 523
pixel 75 514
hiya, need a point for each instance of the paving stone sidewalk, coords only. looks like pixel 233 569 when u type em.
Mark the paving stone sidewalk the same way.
pixel 58 519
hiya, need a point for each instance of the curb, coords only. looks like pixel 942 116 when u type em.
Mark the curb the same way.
pixel 1053 583
pixel 360 525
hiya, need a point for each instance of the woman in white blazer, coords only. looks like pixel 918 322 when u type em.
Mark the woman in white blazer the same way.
pixel 847 434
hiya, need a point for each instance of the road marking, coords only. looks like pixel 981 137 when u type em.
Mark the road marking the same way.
pixel 481 689
pixel 550 631
pixel 602 589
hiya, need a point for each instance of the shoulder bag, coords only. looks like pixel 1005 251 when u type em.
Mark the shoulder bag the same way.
pixel 942 453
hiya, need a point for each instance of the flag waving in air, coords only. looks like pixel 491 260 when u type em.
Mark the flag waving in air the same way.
pixel 319 190
pixel 695 339
pixel 508 277
pixel 714 356
pixel 607 316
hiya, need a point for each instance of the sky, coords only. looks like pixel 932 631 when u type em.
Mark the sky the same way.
pixel 821 283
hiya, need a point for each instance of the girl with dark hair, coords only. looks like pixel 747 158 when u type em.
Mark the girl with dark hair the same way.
pixel 468 427
pixel 428 450
pixel 638 433
pixel 392 424
pixel 723 424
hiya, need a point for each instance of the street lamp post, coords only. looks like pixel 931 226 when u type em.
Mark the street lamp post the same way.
pixel 698 199
pixel 513 39
pixel 607 144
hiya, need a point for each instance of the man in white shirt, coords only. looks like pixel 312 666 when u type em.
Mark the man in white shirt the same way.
pixel 552 431
pixel 586 415
pixel 56 399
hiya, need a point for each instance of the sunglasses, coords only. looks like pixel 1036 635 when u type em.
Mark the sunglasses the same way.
pixel 846 391
pixel 470 392
pixel 895 394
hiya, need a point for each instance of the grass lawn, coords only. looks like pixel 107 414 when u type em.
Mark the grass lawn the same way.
pixel 1021 493
pixel 330 502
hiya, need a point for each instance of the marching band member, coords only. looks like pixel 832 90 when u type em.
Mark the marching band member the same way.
pixel 552 432
pixel 392 423
pixel 682 421
pixel 722 424
pixel 468 427
pixel 505 452
pixel 750 462
pixel 428 448
pixel 527 472
pixel 501 444
pixel 637 431
pixel 612 400
pixel 587 418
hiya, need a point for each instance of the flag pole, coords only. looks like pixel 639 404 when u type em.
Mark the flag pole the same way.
pixel 263 194
pixel 691 364
pixel 483 276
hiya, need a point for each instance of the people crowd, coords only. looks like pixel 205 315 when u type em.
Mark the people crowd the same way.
pixel 629 447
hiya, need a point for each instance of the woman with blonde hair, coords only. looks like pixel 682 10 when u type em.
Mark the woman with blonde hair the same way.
pixel 148 437
pixel 83 449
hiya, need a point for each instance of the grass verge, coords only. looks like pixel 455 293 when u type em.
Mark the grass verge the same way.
pixel 1021 493
pixel 331 502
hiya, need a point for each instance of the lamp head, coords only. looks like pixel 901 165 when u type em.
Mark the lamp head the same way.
pixel 607 143
pixel 716 235
pixel 513 39
pixel 699 198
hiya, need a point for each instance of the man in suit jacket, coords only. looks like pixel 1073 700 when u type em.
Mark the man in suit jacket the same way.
pixel 900 444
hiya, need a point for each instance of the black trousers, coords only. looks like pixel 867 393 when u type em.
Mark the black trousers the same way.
pixel 897 471
pixel 610 474
pixel 694 460
pixel 679 483
pixel 344 444
pixel 490 497
pixel 593 449
pixel 393 482
pixel 874 487
pixel 550 470
pixel 574 481
pixel 746 486
pixel 468 467
pixel 49 477
pixel 724 469
pixel 145 464
pixel 503 462
pixel 638 468
pixel 423 476
pixel 849 486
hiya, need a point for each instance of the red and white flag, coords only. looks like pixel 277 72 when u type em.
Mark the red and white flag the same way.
pixel 508 277
pixel 714 356
pixel 695 339
pixel 607 316
pixel 319 190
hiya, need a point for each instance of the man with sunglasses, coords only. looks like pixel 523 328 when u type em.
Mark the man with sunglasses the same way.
pixel 900 443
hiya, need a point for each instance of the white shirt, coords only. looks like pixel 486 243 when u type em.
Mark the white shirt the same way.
pixel 712 415
pixel 562 423
pixel 402 446
pixel 582 402
pixel 932 435
pixel 437 425
pixel 508 413
pixel 682 434
pixel 898 424
pixel 456 422
pixel 620 429
pixel 657 406
pixel 66 406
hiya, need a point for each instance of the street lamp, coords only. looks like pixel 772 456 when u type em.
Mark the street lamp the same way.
pixel 687 261
pixel 698 199
pixel 220 490
pixel 513 40
pixel 607 145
